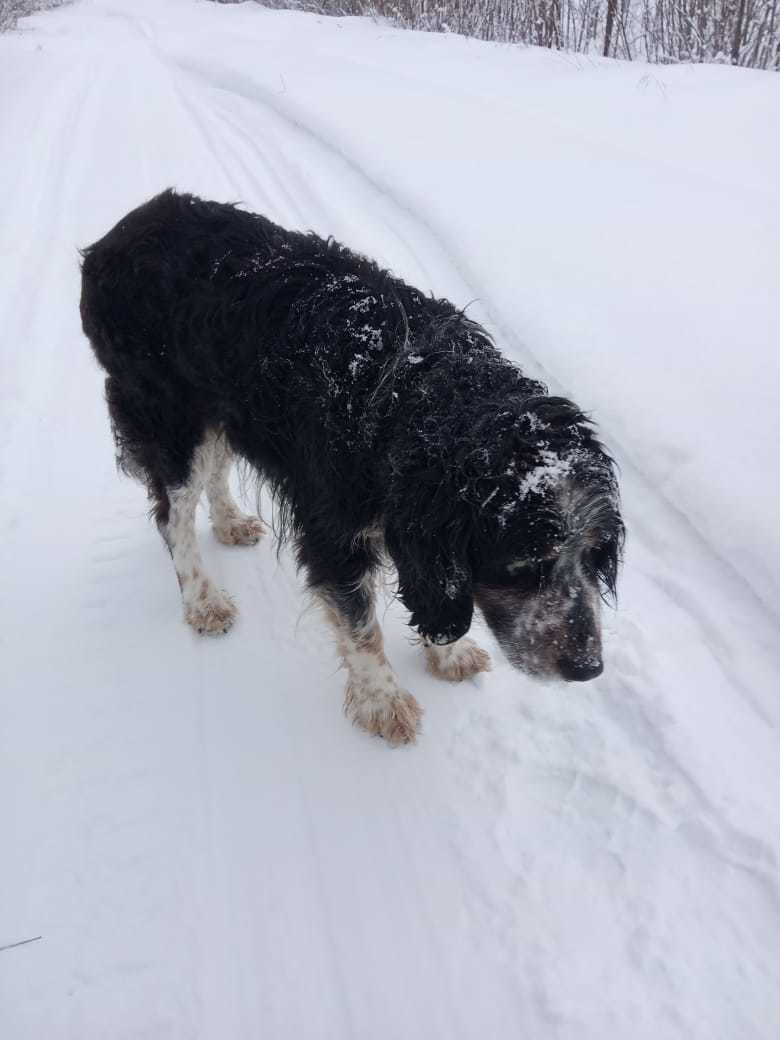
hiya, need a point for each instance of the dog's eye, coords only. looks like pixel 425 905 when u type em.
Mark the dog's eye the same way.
pixel 518 566
pixel 530 574
pixel 602 561
pixel 599 556
pixel 520 575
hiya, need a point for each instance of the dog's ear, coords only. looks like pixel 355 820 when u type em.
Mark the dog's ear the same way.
pixel 434 581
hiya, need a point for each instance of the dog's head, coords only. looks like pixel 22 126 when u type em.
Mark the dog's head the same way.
pixel 542 571
pixel 533 536
pixel 542 597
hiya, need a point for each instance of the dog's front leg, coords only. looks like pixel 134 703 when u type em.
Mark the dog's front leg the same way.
pixel 374 700
pixel 456 661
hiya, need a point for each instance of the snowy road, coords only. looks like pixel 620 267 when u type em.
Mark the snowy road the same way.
pixel 204 845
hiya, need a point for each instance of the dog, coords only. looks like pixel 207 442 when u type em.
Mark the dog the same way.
pixel 386 424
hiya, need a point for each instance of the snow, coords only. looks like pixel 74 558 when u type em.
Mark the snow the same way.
pixel 204 845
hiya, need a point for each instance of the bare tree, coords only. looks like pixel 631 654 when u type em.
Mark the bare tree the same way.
pixel 610 21
pixel 12 10
pixel 743 32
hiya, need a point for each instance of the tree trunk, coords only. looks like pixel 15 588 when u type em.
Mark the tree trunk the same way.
pixel 611 6
pixel 738 34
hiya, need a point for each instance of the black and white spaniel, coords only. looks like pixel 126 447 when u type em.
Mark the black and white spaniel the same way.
pixel 386 424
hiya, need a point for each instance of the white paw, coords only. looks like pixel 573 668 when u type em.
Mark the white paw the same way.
pixel 395 716
pixel 211 612
pixel 240 530
pixel 460 660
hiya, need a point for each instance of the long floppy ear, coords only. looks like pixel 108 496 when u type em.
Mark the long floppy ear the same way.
pixel 434 581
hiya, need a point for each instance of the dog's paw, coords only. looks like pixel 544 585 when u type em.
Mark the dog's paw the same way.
pixel 212 613
pixel 394 716
pixel 460 660
pixel 240 530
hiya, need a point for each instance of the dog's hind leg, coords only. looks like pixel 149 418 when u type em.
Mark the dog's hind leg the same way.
pixel 208 610
pixel 230 525
pixel 374 700
pixel 168 451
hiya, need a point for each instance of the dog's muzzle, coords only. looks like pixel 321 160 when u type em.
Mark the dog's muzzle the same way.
pixel 573 670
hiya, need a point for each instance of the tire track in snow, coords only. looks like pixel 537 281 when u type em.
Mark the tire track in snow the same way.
pixel 242 142
pixel 39 213
pixel 396 220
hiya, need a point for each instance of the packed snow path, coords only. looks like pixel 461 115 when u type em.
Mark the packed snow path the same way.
pixel 204 845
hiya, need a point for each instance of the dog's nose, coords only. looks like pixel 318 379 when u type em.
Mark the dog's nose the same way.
pixel 580 671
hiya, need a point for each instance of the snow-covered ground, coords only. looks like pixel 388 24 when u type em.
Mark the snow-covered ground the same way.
pixel 204 845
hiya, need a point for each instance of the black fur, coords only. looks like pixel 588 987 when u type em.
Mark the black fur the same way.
pixel 363 402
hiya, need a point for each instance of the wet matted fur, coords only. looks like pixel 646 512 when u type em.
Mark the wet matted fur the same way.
pixel 385 422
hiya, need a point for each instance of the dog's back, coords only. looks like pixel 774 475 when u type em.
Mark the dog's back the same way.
pixel 208 317
pixel 154 265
